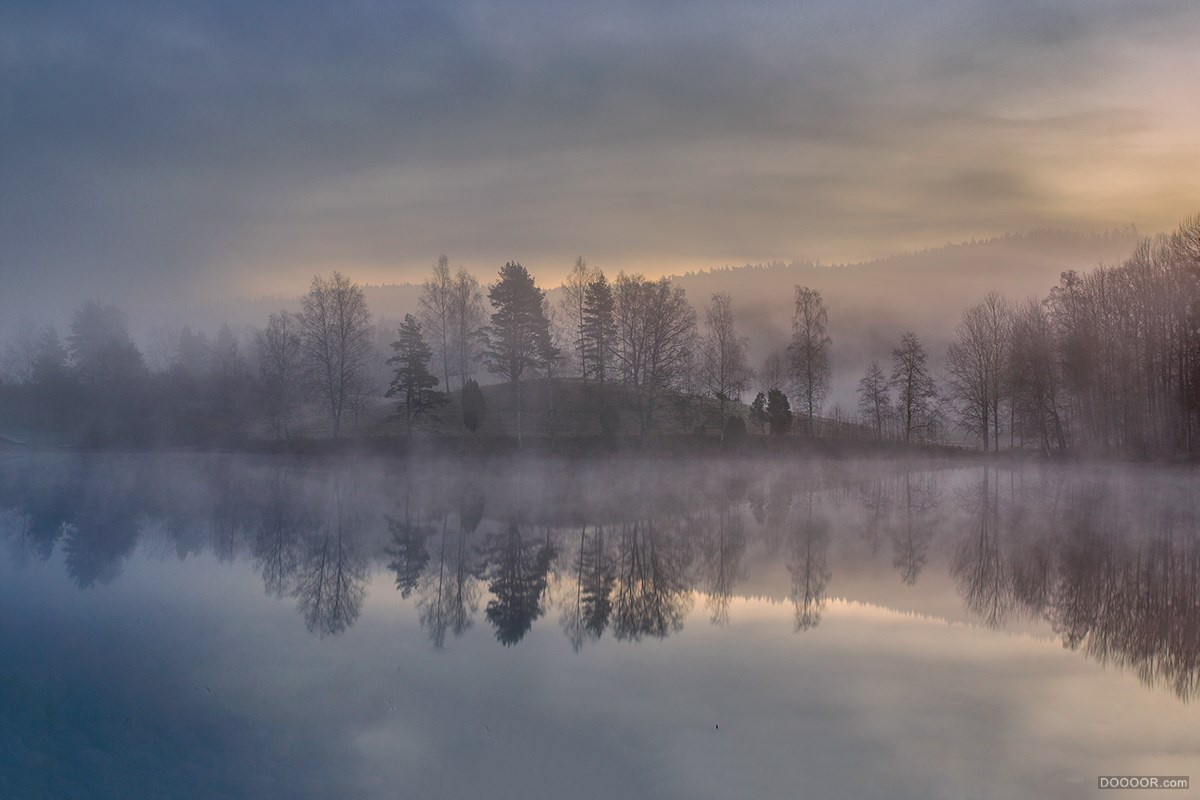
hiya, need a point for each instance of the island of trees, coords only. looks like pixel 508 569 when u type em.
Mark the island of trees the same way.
pixel 1108 361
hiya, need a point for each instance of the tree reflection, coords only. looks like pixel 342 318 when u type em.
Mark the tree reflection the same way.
pixel 1109 561
pixel 517 574
pixel 277 538
pixel 104 530
pixel 589 606
pixel 1123 593
pixel 808 564
pixel 448 594
pixel 979 564
pixel 43 504
pixel 651 592
pixel 912 534
pixel 723 549
pixel 332 574
pixel 1133 603
pixel 407 551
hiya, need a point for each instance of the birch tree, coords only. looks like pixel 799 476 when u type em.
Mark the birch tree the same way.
pixel 723 370
pixel 336 335
pixel 809 352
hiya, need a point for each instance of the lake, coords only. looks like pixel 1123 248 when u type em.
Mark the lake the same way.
pixel 223 626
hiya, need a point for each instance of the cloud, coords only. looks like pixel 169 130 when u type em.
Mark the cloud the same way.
pixel 218 149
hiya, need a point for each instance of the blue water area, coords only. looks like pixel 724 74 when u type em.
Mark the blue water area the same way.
pixel 216 626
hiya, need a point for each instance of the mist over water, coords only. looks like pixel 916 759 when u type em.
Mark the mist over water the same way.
pixel 219 625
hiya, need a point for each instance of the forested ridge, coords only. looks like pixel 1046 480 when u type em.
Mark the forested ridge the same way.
pixel 1107 361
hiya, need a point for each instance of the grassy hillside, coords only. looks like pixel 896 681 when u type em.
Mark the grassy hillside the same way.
pixel 568 407
pixel 559 408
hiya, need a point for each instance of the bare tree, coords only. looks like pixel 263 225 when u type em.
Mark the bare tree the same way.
pixel 655 329
pixel 774 372
pixel 437 315
pixel 913 384
pixel 280 364
pixel 336 336
pixel 978 363
pixel 467 317
pixel 573 305
pixel 874 398
pixel 1035 378
pixel 723 370
pixel 809 352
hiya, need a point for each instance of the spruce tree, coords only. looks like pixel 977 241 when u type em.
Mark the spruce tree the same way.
pixel 779 412
pixel 518 340
pixel 599 331
pixel 413 382
pixel 473 407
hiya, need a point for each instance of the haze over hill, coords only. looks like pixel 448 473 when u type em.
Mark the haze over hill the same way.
pixel 870 304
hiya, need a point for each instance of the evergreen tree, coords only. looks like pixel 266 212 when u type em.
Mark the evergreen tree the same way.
pixel 473 408
pixel 50 358
pixel 518 340
pixel 599 330
pixel 758 412
pixel 734 430
pixel 413 382
pixel 779 412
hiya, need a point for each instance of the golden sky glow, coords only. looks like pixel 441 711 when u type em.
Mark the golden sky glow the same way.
pixel 166 150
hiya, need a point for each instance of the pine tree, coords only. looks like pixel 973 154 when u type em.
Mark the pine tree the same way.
pixel 599 331
pixel 518 340
pixel 473 408
pixel 413 382
pixel 758 412
pixel 779 412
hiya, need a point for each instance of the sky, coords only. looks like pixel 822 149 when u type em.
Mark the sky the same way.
pixel 153 150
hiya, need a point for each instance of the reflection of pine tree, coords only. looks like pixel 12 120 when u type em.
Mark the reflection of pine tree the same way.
pixel 94 554
pixel 587 616
pixel 597 567
pixel 518 573
pixel 408 553
pixel 105 532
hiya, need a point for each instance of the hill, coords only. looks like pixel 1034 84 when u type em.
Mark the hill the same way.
pixel 870 303
pixel 562 408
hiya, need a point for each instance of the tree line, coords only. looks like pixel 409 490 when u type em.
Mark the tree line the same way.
pixel 1108 361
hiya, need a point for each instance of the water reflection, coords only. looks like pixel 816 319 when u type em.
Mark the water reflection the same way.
pixel 1109 562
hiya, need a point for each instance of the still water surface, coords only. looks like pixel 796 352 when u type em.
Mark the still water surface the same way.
pixel 219 626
